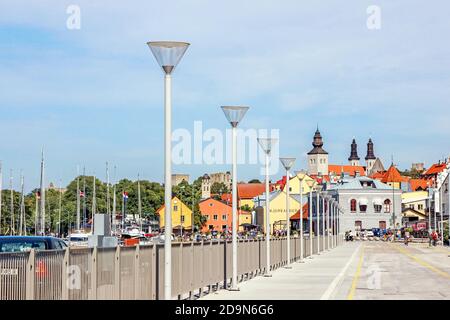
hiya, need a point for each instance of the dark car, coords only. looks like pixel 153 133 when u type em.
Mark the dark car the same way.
pixel 26 243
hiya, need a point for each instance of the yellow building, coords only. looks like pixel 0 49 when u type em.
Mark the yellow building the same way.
pixel 181 215
pixel 294 183
pixel 277 214
pixel 244 218
pixel 414 204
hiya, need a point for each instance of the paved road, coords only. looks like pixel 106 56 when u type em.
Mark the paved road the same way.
pixel 356 270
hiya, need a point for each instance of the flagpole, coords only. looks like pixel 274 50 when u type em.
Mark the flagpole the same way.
pixel 139 204
pixel 78 198
pixel 108 204
pixel 42 198
pixel 12 202
pixel 93 205
pixel 22 203
pixel 36 212
pixel 84 197
pixel 114 215
pixel 60 209
pixel 1 191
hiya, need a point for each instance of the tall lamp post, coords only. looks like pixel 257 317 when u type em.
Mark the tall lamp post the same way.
pixel 318 192
pixel 287 164
pixel 266 145
pixel 310 185
pixel 329 200
pixel 168 54
pixel 323 220
pixel 234 115
pixel 302 174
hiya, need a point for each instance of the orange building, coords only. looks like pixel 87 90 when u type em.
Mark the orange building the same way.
pixel 217 213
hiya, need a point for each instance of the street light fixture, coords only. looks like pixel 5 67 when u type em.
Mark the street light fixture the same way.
pixel 168 54
pixel 234 115
pixel 329 207
pixel 287 164
pixel 310 185
pixel 302 174
pixel 266 144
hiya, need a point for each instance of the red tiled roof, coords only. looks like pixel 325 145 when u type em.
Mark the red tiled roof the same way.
pixel 378 175
pixel 393 175
pixel 296 216
pixel 250 190
pixel 435 168
pixel 418 183
pixel 351 170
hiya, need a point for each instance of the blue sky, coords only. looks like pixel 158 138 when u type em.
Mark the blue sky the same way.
pixel 95 94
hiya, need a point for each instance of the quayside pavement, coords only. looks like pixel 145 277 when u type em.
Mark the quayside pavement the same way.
pixel 368 270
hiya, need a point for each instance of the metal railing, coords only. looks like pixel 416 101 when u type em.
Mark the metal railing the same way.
pixel 138 272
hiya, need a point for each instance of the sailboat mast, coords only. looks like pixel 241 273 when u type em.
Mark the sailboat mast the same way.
pixel 93 205
pixel 108 204
pixel 11 202
pixel 60 209
pixel 22 205
pixel 84 196
pixel 78 198
pixel 1 191
pixel 42 207
pixel 139 203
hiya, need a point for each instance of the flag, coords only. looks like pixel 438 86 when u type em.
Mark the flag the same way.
pixel 81 194
pixel 125 195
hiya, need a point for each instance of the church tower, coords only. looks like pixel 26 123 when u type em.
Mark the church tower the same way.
pixel 317 157
pixel 206 187
pixel 354 159
pixel 370 157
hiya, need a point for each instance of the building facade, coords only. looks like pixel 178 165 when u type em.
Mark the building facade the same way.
pixel 367 204
pixel 178 178
pixel 182 218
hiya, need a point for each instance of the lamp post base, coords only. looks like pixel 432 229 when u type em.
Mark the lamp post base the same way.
pixel 267 275
pixel 234 289
pixel 287 267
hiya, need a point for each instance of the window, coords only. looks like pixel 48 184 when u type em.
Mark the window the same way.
pixel 215 217
pixel 411 206
pixel 211 227
pixel 387 205
pixel 353 205
pixel 358 225
pixel 182 218
pixel 224 227
pixel 377 208
pixel 362 207
pixel 175 208
pixel 224 217
pixel 420 207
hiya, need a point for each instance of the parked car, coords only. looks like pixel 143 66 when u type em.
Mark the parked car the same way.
pixel 26 243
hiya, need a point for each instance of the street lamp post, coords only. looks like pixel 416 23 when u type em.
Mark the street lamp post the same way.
pixel 168 54
pixel 287 164
pixel 302 177
pixel 310 185
pixel 318 188
pixel 234 115
pixel 266 144
pixel 329 200
pixel 323 221
pixel 333 211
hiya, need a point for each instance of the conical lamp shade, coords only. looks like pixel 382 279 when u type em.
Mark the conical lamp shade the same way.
pixel 234 114
pixel 168 53
pixel 266 144
pixel 287 162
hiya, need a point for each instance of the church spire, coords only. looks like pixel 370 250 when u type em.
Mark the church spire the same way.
pixel 353 151
pixel 370 154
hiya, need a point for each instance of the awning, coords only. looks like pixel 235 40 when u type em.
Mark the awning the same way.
pixel 377 202
pixel 363 201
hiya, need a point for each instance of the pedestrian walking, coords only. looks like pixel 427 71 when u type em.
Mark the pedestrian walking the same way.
pixel 406 237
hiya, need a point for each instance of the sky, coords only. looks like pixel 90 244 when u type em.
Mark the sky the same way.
pixel 95 94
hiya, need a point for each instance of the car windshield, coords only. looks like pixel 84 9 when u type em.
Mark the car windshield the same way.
pixel 22 246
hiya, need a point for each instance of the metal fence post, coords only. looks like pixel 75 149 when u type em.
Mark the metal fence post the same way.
pixel 30 275
pixel 94 274
pixel 137 267
pixel 117 274
pixel 64 274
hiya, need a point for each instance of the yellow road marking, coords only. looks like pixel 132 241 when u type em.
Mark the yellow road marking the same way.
pixel 356 276
pixel 442 250
pixel 424 263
